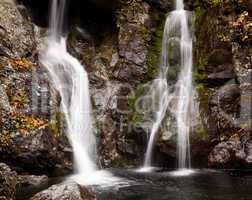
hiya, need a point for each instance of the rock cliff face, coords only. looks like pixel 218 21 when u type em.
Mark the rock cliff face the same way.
pixel 223 74
pixel 30 139
pixel 120 47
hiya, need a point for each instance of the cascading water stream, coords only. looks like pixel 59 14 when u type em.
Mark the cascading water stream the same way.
pixel 71 80
pixel 181 92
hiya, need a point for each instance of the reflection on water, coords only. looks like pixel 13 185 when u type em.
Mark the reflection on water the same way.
pixel 199 185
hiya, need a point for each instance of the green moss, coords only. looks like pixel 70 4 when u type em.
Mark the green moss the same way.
pixel 203 93
pixel 216 3
pixel 137 112
pixel 173 72
pixel 223 37
pixel 201 133
pixel 155 52
pixel 55 123
pixel 133 98
pixel 199 71
pixel 199 12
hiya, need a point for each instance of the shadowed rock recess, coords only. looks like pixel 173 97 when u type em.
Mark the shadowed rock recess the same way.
pixel 119 42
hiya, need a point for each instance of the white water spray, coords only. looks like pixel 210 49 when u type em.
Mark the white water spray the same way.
pixel 70 79
pixel 181 92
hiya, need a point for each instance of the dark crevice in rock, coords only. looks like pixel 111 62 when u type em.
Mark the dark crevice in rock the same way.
pixel 95 17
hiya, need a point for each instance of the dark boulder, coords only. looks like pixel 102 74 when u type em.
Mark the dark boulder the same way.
pixel 219 57
pixel 231 154
pixel 40 152
pixel 224 107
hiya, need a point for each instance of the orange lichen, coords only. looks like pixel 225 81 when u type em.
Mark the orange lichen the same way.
pixel 244 24
pixel 25 123
pixel 19 100
pixel 21 64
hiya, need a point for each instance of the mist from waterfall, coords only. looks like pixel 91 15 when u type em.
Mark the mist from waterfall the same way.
pixel 174 98
pixel 71 80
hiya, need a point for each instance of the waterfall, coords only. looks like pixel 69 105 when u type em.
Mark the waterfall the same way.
pixel 70 79
pixel 179 4
pixel 177 97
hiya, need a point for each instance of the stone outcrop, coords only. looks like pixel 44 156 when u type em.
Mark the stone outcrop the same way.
pixel 29 107
pixel 223 55
pixel 66 191
pixel 15 32
pixel 41 153
pixel 231 154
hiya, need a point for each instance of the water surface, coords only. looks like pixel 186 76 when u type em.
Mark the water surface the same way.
pixel 200 185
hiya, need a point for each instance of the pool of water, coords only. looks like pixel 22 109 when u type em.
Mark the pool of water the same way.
pixel 199 185
pixel 170 185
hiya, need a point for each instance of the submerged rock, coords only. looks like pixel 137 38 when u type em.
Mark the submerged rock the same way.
pixel 66 191
pixel 8 181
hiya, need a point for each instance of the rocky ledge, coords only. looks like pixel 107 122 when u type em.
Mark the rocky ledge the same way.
pixel 66 191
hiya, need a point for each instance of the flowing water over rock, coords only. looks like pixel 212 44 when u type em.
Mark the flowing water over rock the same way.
pixel 71 80
pixel 175 98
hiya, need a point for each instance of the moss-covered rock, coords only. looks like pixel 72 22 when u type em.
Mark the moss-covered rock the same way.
pixel 221 55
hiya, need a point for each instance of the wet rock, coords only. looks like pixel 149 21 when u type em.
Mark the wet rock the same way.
pixel 218 75
pixel 230 154
pixel 225 96
pixel 248 151
pixel 29 115
pixel 219 57
pixel 66 191
pixel 224 107
pixel 8 181
pixel 16 34
pixel 162 4
pixel 31 138
pixel 40 152
pixel 134 35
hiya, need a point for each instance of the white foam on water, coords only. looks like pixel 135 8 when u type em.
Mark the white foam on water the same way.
pixel 182 172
